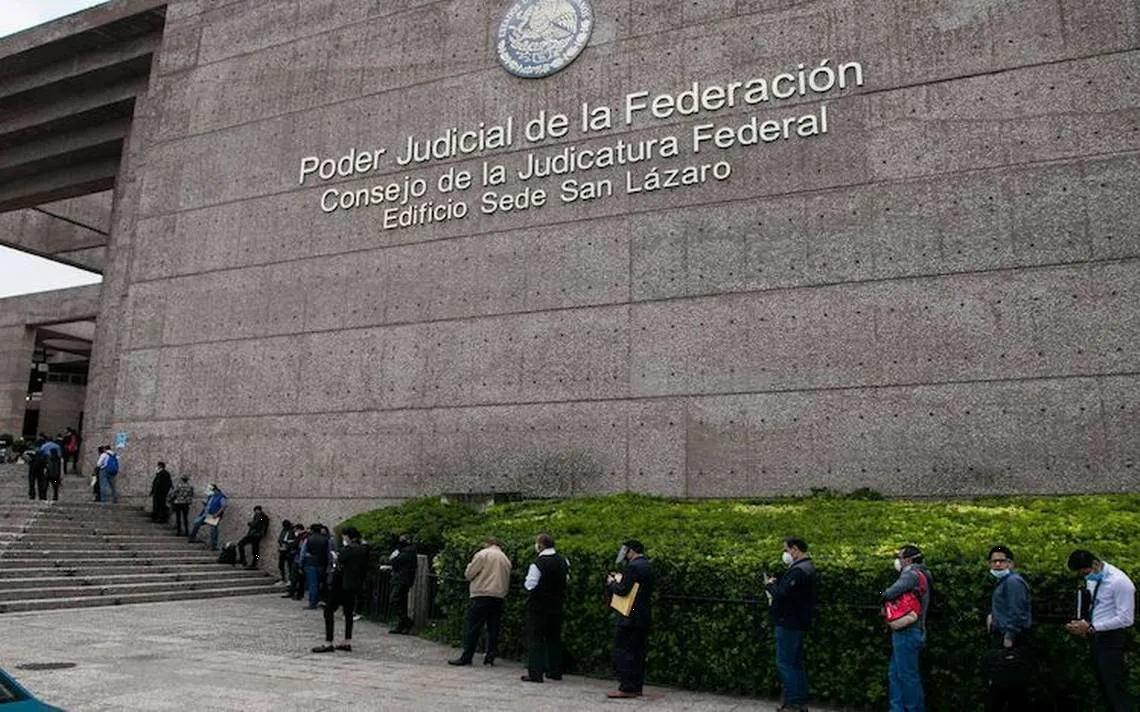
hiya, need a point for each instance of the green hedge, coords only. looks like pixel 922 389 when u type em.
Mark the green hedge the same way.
pixel 720 550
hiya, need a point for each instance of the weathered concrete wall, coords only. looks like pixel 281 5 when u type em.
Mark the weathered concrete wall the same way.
pixel 937 296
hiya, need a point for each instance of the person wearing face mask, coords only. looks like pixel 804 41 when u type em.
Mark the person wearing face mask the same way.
pixel 1008 624
pixel 546 581
pixel 1112 613
pixel 906 693
pixel 344 587
pixel 404 561
pixel 793 598
pixel 213 507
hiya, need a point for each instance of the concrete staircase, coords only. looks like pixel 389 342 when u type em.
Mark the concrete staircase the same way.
pixel 73 555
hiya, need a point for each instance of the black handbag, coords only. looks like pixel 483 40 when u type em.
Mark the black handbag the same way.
pixel 1007 666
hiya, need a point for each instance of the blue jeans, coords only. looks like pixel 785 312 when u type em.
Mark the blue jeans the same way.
pixel 312 581
pixel 790 663
pixel 196 524
pixel 108 494
pixel 906 682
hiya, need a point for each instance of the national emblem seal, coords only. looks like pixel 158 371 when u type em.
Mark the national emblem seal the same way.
pixel 539 37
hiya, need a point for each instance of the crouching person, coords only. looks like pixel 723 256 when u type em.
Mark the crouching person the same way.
pixel 346 582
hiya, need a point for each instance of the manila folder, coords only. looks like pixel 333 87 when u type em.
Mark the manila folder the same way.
pixel 624 604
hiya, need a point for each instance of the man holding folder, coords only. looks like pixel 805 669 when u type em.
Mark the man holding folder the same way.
pixel 631 591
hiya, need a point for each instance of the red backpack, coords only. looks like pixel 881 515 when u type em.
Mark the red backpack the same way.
pixel 905 610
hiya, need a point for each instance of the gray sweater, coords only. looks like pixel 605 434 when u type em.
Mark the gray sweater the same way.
pixel 908 581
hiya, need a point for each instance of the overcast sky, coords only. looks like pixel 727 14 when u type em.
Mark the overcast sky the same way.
pixel 21 273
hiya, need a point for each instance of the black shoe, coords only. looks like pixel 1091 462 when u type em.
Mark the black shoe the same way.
pixel 489 660
pixel 528 678
pixel 323 649
pixel 346 647
pixel 459 661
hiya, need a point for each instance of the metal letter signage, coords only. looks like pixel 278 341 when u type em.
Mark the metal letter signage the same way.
pixel 539 37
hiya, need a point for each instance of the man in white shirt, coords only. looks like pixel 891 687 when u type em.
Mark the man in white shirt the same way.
pixel 1112 612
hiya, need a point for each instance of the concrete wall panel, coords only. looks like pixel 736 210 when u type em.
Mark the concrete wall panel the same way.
pixel 938 296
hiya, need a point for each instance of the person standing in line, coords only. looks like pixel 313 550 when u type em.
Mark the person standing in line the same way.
pixel 108 468
pixel 404 561
pixel 347 581
pixel 489 576
pixel 181 497
pixel 631 639
pixel 285 541
pixel 255 531
pixel 297 583
pixel 96 479
pixel 213 508
pixel 315 560
pixel 1112 614
pixel 160 488
pixel 906 694
pixel 793 605
pixel 1008 624
pixel 546 580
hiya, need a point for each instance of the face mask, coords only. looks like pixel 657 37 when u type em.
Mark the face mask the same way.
pixel 999 573
pixel 345 541
pixel 898 565
pixel 787 558
pixel 1095 577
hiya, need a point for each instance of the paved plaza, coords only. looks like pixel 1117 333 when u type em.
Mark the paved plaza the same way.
pixel 251 654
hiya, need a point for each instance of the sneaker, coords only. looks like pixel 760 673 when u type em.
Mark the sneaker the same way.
pixel 346 647
pixel 323 649
pixel 356 617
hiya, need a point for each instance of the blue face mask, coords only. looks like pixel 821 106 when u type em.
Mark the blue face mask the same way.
pixel 1094 577
pixel 999 573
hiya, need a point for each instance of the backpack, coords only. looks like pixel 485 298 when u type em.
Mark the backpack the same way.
pixel 905 610
pixel 112 465
pixel 228 555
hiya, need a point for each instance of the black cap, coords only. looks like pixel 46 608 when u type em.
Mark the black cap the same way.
pixel 634 545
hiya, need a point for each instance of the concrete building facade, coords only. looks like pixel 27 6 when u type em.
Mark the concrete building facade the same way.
pixel 735 248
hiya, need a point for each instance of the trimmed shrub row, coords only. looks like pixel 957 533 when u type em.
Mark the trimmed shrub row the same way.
pixel 711 630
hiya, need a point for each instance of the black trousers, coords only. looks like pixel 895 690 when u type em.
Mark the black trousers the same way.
pixel 297 582
pixel 159 512
pixel 543 641
pixel 483 610
pixel 285 565
pixel 630 647
pixel 37 484
pixel 339 599
pixel 255 545
pixel 399 606
pixel 182 518
pixel 1108 657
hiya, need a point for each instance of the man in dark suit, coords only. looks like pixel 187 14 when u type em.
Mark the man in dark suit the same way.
pixel 546 581
pixel 631 641
pixel 404 561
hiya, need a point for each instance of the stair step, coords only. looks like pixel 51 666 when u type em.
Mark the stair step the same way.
pixel 116 600
pixel 94 543
pixel 96 578
pixel 86 563
pixel 86 569
pixel 116 590
pixel 90 553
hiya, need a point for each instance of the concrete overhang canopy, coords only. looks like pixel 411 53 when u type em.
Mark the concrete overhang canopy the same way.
pixel 67 97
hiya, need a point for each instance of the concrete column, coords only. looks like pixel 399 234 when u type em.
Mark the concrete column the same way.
pixel 17 344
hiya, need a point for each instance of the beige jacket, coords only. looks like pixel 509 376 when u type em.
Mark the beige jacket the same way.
pixel 489 573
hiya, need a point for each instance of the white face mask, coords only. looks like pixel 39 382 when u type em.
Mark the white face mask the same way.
pixel 898 565
pixel 787 558
pixel 345 541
